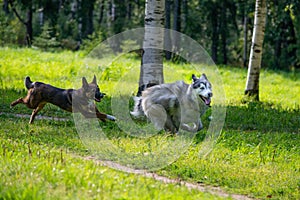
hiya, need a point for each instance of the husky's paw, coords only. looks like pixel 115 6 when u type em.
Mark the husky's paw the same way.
pixel 189 127
pixel 137 114
pixel 110 117
pixel 134 113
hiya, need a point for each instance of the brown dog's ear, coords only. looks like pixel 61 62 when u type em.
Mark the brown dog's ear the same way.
pixel 85 84
pixel 94 80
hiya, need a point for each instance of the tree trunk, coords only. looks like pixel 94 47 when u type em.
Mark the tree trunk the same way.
pixel 245 29
pixel 252 84
pixel 101 12
pixel 86 17
pixel 245 53
pixel 116 21
pixel 29 29
pixel 27 23
pixel 152 60
pixel 295 16
pixel 223 29
pixel 214 44
pixel 129 10
pixel 5 7
pixel 167 39
pixel 90 18
pixel 80 20
pixel 185 15
pixel 215 33
pixel 176 27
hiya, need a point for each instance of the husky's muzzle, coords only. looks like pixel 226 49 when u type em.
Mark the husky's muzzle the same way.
pixel 207 100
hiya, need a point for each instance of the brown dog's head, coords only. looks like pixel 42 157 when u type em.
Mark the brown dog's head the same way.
pixel 92 90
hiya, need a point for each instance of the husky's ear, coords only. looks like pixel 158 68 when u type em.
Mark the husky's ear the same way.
pixel 194 77
pixel 85 84
pixel 203 76
pixel 94 80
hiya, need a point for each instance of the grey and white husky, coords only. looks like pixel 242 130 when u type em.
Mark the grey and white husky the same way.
pixel 176 105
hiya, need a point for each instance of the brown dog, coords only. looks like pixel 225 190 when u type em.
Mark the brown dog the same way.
pixel 67 99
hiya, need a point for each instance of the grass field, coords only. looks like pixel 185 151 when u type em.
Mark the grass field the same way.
pixel 257 153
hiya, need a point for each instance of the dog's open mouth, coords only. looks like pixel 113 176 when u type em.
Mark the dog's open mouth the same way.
pixel 96 99
pixel 206 100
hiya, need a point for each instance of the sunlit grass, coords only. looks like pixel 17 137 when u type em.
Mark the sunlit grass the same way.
pixel 38 171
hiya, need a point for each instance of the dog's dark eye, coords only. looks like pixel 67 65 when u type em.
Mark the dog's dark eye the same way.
pixel 202 88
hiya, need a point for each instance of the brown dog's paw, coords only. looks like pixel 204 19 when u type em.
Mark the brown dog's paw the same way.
pixel 112 118
pixel 13 104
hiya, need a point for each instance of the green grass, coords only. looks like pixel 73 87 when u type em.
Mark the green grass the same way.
pixel 31 170
pixel 257 153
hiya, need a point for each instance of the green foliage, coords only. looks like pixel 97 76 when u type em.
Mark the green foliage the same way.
pixel 46 40
pixel 257 153
pixel 92 41
pixel 11 31
pixel 219 26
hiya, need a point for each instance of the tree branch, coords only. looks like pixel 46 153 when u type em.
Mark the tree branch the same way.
pixel 11 3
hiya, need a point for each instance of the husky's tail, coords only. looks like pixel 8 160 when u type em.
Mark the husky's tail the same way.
pixel 28 83
pixel 138 109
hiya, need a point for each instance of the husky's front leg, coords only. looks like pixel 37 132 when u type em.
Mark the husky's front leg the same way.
pixel 200 126
pixel 170 126
pixel 157 115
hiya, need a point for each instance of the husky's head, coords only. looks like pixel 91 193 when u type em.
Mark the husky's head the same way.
pixel 92 90
pixel 202 88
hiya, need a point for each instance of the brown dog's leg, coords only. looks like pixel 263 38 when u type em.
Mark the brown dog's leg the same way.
pixel 35 111
pixel 20 100
pixel 103 117
pixel 100 115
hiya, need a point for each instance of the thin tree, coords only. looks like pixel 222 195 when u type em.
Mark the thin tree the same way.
pixel 5 7
pixel 28 21
pixel 252 84
pixel 176 27
pixel 151 72
pixel 245 27
pixel 167 36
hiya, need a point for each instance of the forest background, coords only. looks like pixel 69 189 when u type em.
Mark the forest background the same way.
pixel 223 27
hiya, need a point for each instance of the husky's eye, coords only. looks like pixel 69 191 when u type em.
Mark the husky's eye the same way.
pixel 202 88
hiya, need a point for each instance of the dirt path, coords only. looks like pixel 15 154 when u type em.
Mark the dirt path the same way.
pixel 37 117
pixel 197 186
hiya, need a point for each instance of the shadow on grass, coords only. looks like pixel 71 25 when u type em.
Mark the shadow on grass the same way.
pixel 262 117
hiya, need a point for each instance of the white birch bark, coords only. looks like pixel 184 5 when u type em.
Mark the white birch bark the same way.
pixel 152 60
pixel 252 84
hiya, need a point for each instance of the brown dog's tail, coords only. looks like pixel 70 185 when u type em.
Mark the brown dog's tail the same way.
pixel 28 83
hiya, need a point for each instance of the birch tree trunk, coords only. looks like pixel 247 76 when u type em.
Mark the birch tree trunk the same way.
pixel 152 60
pixel 252 84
